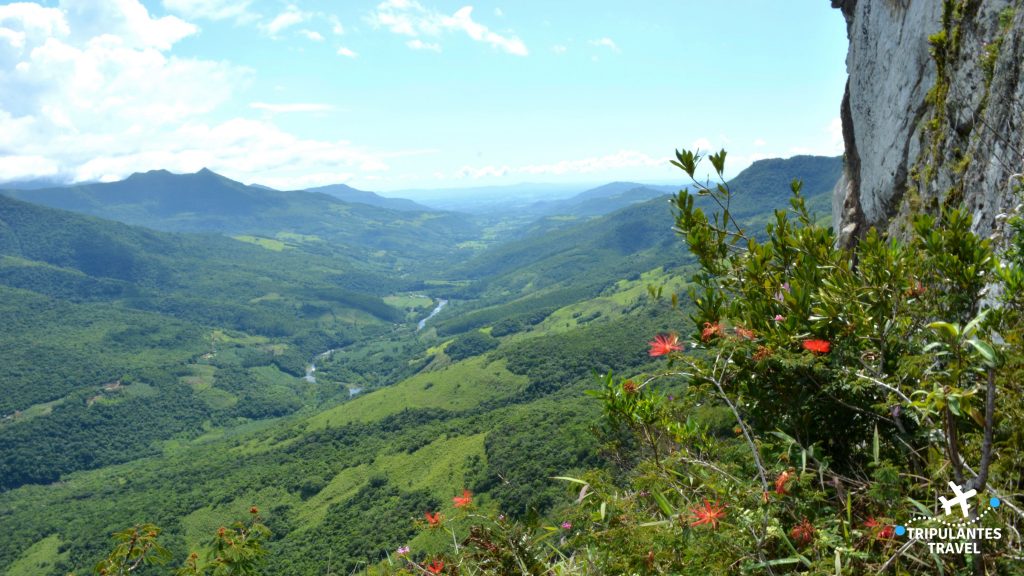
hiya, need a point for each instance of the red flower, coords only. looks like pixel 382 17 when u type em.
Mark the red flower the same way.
pixel 664 343
pixel 780 482
pixel 761 353
pixel 708 514
pixel 462 501
pixel 879 531
pixel 433 520
pixel 802 533
pixel 630 387
pixel 711 330
pixel 817 346
pixel 744 332
pixel 435 567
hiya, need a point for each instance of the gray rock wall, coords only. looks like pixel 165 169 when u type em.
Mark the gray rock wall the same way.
pixel 930 121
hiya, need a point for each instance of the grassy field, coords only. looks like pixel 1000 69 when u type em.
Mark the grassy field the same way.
pixel 456 387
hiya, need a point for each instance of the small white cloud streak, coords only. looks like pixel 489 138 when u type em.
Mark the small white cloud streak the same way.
pixel 290 17
pixel 347 52
pixel 336 28
pixel 607 43
pixel 312 35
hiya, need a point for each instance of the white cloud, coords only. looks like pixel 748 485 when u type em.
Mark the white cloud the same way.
pixel 312 35
pixel 410 18
pixel 417 44
pixel 759 142
pixel 290 17
pixel 463 20
pixel 86 102
pixel 336 28
pixel 607 43
pixel 26 168
pixel 209 9
pixel 293 107
pixel 128 20
pixel 499 12
pixel 559 49
pixel 702 144
pixel 346 52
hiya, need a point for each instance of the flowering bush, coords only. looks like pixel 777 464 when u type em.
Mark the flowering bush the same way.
pixel 858 382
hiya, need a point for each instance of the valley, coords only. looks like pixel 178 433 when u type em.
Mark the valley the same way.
pixel 165 373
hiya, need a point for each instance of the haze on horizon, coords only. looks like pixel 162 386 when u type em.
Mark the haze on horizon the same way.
pixel 411 94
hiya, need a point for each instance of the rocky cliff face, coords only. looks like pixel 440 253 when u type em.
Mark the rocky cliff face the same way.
pixel 933 113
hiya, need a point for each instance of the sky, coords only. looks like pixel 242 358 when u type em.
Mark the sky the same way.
pixel 413 94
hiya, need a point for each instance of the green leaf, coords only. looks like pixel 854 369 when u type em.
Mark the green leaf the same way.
pixel 951 329
pixel 986 351
pixel 662 503
pixel 972 326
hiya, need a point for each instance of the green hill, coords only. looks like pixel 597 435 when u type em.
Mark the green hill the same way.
pixel 116 337
pixel 207 202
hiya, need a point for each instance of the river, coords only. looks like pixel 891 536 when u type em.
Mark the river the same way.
pixel 441 303
pixel 311 369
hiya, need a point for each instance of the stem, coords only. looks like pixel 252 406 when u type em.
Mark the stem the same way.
pixel 978 482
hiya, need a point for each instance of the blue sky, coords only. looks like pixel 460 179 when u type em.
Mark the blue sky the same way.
pixel 412 93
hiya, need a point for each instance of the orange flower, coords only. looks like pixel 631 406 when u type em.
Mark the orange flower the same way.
pixel 817 346
pixel 254 510
pixel 629 387
pixel 744 332
pixel 711 330
pixel 664 343
pixel 462 501
pixel 708 514
pixel 435 567
pixel 780 482
pixel 433 520
pixel 802 533
pixel 761 353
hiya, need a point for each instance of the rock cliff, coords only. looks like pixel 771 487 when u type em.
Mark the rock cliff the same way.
pixel 933 113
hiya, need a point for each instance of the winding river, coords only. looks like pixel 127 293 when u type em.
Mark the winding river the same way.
pixel 441 303
pixel 311 369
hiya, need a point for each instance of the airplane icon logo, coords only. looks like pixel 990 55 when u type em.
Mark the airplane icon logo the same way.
pixel 960 497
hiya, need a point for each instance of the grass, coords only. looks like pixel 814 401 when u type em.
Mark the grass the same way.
pixel 268 243
pixel 456 387
pixel 405 301
pixel 200 377
pixel 201 524
pixel 613 303
pixel 40 558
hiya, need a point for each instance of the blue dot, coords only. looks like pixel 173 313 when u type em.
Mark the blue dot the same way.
pixel 994 502
pixel 901 530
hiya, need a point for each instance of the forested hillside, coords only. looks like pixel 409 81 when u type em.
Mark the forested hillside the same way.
pixel 182 366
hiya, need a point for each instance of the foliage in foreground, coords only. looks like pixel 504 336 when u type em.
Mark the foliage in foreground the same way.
pixel 857 385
